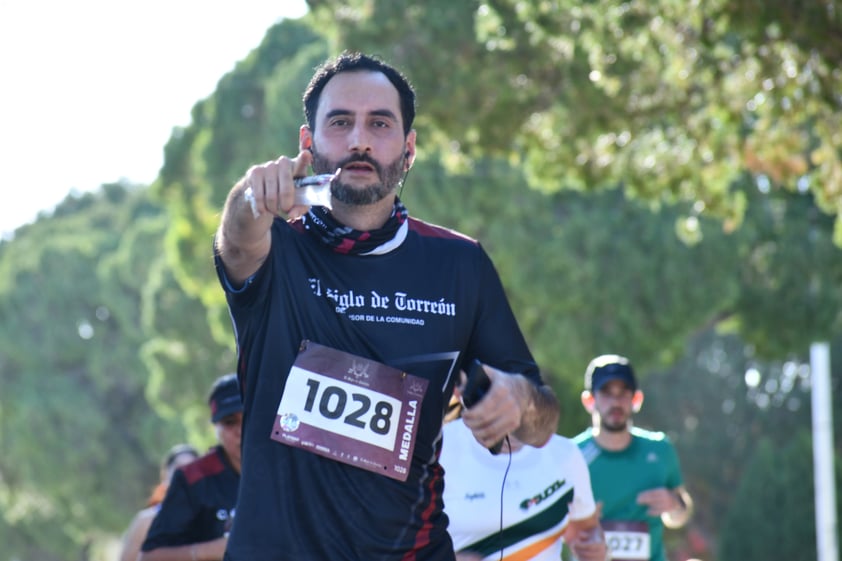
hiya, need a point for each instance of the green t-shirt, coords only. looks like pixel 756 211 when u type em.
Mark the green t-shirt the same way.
pixel 617 477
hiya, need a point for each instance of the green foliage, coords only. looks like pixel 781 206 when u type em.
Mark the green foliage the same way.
pixel 239 126
pixel 772 518
pixel 80 442
pixel 670 99
pixel 790 273
pixel 52 390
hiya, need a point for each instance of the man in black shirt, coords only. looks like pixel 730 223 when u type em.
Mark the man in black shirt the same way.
pixel 352 324
pixel 198 510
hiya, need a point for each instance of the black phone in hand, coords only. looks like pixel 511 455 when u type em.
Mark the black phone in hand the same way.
pixel 477 385
pixel 475 389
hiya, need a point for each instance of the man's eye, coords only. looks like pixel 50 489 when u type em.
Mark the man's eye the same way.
pixel 385 123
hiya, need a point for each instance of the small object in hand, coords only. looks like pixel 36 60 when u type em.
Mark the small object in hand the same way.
pixel 315 189
pixel 310 190
pixel 317 180
pixel 476 387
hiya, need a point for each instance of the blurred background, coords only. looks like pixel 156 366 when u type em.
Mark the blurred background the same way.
pixel 657 179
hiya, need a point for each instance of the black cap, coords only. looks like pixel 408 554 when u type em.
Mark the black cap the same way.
pixel 605 368
pixel 225 397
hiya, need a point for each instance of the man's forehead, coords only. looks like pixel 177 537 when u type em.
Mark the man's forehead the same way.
pixel 359 92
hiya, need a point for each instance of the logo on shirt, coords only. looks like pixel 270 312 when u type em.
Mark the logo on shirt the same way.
pixel 546 494
pixel 398 307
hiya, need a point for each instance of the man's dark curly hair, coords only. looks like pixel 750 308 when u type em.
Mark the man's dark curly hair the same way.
pixel 358 62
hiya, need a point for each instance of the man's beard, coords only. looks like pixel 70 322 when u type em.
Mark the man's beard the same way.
pixel 390 177
pixel 617 426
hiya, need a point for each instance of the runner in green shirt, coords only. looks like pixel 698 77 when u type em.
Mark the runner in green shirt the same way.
pixel 635 474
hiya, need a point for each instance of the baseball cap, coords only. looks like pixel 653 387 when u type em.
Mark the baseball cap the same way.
pixel 225 397
pixel 605 368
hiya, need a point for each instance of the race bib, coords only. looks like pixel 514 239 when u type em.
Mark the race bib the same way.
pixel 628 541
pixel 350 409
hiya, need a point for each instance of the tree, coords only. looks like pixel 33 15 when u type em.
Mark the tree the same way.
pixel 773 515
pixel 248 120
pixel 83 294
pixel 672 100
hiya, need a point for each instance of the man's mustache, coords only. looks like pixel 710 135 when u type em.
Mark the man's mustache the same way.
pixel 364 158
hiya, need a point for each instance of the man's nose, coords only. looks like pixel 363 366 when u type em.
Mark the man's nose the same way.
pixel 359 139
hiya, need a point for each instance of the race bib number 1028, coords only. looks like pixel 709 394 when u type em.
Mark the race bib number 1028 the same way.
pixel 350 409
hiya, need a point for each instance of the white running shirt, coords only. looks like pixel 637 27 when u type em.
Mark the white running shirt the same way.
pixel 540 485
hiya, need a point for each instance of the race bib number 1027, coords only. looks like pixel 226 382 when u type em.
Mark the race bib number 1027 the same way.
pixel 351 409
pixel 628 540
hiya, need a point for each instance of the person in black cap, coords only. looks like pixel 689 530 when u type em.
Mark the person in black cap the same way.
pixel 199 506
pixel 635 473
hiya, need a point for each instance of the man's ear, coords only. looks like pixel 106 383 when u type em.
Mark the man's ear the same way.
pixel 409 150
pixel 305 138
pixel 588 401
pixel 637 401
